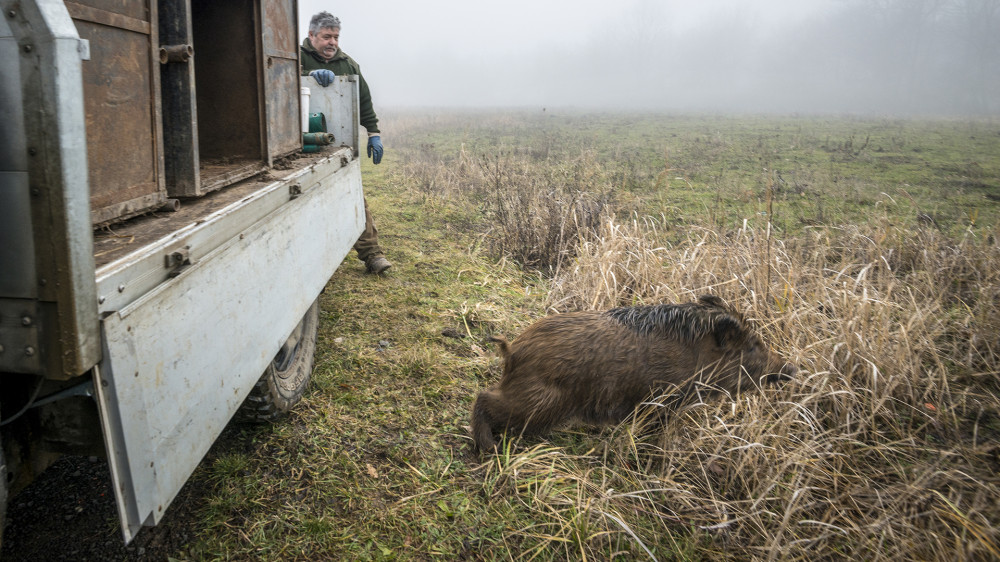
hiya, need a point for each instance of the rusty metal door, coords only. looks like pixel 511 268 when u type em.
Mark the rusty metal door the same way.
pixel 281 77
pixel 121 95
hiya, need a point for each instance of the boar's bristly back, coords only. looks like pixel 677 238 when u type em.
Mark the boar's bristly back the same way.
pixel 687 322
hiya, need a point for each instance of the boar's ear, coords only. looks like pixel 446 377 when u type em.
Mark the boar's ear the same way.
pixel 728 331
pixel 712 300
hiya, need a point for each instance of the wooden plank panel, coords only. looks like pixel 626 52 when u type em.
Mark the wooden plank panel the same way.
pixel 121 103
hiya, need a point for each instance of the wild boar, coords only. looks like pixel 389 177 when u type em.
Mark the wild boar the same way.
pixel 597 367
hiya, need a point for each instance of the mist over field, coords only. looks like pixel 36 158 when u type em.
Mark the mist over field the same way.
pixel 899 57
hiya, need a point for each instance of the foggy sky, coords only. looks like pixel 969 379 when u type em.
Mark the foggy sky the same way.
pixel 895 57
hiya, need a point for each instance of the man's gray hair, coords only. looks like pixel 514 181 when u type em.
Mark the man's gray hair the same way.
pixel 323 20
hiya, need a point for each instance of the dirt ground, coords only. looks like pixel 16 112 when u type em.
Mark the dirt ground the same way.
pixel 69 513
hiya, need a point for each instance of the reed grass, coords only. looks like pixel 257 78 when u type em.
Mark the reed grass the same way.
pixel 886 446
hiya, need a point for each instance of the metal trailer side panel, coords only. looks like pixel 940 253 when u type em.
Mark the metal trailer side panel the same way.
pixel 64 317
pixel 17 256
pixel 181 359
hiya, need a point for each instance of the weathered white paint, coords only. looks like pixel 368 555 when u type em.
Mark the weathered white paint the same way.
pixel 181 358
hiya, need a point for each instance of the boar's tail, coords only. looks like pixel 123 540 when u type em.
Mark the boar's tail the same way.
pixel 502 345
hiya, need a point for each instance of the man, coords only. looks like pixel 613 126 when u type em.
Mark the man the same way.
pixel 323 60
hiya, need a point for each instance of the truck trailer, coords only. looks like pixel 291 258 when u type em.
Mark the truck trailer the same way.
pixel 164 236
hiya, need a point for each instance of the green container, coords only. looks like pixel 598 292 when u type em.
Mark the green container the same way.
pixel 317 123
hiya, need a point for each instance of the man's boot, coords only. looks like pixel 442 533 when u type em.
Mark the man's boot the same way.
pixel 377 264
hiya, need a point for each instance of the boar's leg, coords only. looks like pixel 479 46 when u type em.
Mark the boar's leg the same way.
pixel 488 415
pixel 496 411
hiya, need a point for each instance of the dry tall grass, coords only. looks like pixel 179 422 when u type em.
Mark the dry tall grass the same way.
pixel 538 213
pixel 887 447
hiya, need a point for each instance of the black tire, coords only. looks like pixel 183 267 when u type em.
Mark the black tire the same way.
pixel 286 378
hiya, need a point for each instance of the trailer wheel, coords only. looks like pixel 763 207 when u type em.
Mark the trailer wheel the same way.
pixel 286 378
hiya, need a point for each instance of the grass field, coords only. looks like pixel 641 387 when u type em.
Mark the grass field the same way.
pixel 864 250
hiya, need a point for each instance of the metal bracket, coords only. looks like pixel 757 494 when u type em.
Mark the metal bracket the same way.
pixel 175 53
pixel 82 389
pixel 177 261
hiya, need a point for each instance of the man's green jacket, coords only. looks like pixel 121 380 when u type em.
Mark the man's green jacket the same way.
pixel 342 65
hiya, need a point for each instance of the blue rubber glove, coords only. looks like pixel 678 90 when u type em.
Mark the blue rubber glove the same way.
pixel 323 76
pixel 375 149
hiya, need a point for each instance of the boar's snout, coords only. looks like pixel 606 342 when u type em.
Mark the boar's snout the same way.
pixel 787 372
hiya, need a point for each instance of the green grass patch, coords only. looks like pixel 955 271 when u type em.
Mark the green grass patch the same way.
pixel 864 249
